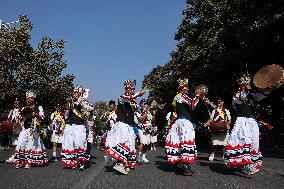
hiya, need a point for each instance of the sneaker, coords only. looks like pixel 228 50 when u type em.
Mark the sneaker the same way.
pixel 107 159
pixel 154 148
pixel 144 159
pixel 81 167
pixel 120 168
pixel 17 166
pixel 211 157
pixel 249 169
pixel 253 171
pixel 27 166
pixel 11 159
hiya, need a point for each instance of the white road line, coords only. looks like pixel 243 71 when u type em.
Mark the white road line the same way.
pixel 84 182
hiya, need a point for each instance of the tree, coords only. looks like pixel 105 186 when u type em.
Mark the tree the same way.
pixel 217 40
pixel 23 68
pixel 100 107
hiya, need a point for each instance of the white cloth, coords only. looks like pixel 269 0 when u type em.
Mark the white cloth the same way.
pixel 30 149
pixel 144 138
pixel 57 138
pixel 245 131
pixel 74 137
pixel 154 139
pixel 121 133
pixel 243 140
pixel 29 141
pixel 180 142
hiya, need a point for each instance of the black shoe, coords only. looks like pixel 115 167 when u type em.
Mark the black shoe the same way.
pixel 81 167
pixel 185 167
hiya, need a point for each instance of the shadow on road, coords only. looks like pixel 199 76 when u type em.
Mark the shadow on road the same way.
pixel 165 166
pixel 222 169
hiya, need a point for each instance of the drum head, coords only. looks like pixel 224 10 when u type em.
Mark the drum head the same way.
pixel 268 76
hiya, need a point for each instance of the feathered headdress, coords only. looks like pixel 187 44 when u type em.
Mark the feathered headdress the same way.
pixel 182 83
pixel 128 84
pixel 78 89
pixel 244 79
pixel 30 94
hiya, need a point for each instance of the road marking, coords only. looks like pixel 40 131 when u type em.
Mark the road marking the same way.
pixel 83 183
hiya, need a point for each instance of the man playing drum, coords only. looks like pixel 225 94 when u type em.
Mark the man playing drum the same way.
pixel 219 115
pixel 15 117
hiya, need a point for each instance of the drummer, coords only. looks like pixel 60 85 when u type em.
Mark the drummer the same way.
pixel 15 117
pixel 242 149
pixel 217 115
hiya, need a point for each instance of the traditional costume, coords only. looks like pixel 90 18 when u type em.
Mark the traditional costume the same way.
pixel 120 141
pixel 220 114
pixel 30 149
pixel 15 117
pixel 110 116
pixel 143 119
pixel 57 126
pixel 180 141
pixel 242 149
pixel 74 143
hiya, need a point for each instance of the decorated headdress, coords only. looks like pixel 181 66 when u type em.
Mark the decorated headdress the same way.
pixel 182 83
pixel 78 89
pixel 244 79
pixel 30 94
pixel 129 84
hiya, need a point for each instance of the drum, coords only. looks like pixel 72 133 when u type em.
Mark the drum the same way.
pixel 218 127
pixel 6 127
pixel 269 78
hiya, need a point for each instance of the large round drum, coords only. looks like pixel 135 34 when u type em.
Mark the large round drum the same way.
pixel 218 127
pixel 6 127
pixel 269 78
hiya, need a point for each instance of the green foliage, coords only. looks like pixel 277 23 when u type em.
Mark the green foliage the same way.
pixel 23 68
pixel 217 40
pixel 100 107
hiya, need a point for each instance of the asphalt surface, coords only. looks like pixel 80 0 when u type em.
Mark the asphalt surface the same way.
pixel 157 174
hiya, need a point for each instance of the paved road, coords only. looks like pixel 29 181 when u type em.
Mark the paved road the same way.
pixel 157 174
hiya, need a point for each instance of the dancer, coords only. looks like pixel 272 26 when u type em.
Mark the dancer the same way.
pixel 74 143
pixel 120 141
pixel 180 141
pixel 30 149
pixel 242 149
